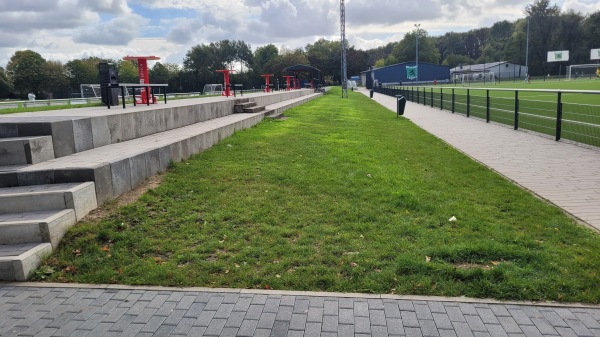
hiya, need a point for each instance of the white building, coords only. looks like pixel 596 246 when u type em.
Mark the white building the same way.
pixel 501 70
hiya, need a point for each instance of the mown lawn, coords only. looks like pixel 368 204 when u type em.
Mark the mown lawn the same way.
pixel 342 196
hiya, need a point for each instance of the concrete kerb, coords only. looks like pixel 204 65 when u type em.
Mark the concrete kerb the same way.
pixel 298 293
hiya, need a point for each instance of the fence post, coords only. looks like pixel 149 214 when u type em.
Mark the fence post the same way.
pixel 431 95
pixel 452 100
pixel 468 102
pixel 516 109
pixel 487 106
pixel 424 95
pixel 441 99
pixel 559 116
pixel 418 96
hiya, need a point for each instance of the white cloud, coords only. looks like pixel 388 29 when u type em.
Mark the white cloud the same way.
pixel 118 31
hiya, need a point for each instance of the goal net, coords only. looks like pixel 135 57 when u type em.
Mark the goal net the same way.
pixel 583 71
pixel 95 91
pixel 479 77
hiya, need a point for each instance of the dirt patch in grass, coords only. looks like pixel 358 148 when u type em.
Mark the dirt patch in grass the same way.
pixel 126 198
pixel 472 266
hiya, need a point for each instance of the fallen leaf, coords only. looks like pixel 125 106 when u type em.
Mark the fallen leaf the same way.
pixel 227 271
pixel 353 264
pixel 495 263
pixel 237 265
pixel 267 286
pixel 77 252
pixel 452 219
pixel 278 276
pixel 427 259
pixel 106 248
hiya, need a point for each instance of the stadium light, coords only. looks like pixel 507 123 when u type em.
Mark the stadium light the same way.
pixel 527 48
pixel 417 25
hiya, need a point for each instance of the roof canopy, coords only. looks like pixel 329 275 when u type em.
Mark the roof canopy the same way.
pixel 302 68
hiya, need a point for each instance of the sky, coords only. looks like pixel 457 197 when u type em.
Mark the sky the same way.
pixel 64 30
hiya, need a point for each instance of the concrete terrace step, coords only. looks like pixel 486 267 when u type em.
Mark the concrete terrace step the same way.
pixel 18 261
pixel 81 197
pixel 47 226
pixel 254 109
pixel 240 107
pixel 25 150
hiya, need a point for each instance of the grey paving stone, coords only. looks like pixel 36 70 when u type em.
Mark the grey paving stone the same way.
pixel 132 329
pixel 447 333
pixel 362 325
pixel 587 319
pixel 329 334
pixel 564 313
pixel 413 332
pixel 295 333
pixel 122 323
pixel 235 319
pixel 391 309
pixel 330 308
pixel 166 309
pixel 284 313
pixel 262 333
pixel 496 330
pixel 346 316
pixel 214 302
pixel 500 310
pixel 271 305
pixel 287 300
pixel 224 310
pixel 205 318
pixel 566 332
pixel 395 326
pixel 315 314
pixel 423 311
pixel 229 332
pixel 428 328
pixel 157 301
pixel 442 321
pixel 330 323
pixel 298 321
pixel 405 305
pixel 215 327
pixel 579 328
pixel 487 316
pixel 153 324
pixel 520 317
pixel 345 330
pixel 361 309
pixel 316 302
pixel 197 331
pixel 301 306
pixel 280 328
pixel 248 327
pixel 409 318
pixel 544 326
pixel 243 304
pixel 255 311
pixel 259 299
pixel 184 325
pixel 99 330
pixel 468 309
pixel 145 315
pixel 346 303
pixel 462 329
pixel 509 325
pixel 531 331
pixel 174 317
pixel 377 317
pixel 267 320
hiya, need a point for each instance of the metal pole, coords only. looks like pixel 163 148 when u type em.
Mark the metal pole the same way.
pixel 527 48
pixel 417 53
pixel 344 75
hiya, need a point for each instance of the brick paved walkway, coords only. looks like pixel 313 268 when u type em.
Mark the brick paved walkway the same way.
pixel 79 310
pixel 563 173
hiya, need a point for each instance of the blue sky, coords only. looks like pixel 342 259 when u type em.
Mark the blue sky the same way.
pixel 64 30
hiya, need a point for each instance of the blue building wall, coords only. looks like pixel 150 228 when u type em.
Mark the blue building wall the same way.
pixel 397 73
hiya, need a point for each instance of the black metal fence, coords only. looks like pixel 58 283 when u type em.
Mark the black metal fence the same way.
pixel 564 114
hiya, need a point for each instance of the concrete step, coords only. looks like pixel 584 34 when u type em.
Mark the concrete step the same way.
pixel 241 100
pixel 240 107
pixel 25 150
pixel 254 109
pixel 274 114
pixel 17 262
pixel 80 197
pixel 48 226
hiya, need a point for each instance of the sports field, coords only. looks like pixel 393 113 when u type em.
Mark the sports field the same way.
pixel 535 109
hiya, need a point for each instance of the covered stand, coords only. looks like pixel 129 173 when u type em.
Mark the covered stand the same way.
pixel 310 73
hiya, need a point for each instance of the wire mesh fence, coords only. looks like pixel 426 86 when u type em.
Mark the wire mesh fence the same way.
pixel 563 114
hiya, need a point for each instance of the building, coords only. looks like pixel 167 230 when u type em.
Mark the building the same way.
pixel 401 73
pixel 501 70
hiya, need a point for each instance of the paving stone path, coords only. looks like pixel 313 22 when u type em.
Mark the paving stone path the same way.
pixel 54 310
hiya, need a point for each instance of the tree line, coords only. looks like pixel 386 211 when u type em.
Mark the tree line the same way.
pixel 549 29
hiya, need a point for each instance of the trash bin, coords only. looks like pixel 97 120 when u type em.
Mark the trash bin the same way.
pixel 371 93
pixel 400 105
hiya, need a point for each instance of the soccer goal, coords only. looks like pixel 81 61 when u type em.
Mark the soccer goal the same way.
pixel 90 90
pixel 479 77
pixel 583 71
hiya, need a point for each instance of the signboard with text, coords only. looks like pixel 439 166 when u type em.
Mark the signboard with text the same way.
pixel 558 56
pixel 595 54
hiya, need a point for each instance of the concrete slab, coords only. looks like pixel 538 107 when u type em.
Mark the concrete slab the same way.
pixel 100 131
pixel 121 176
pixel 39 149
pixel 17 262
pixel 35 227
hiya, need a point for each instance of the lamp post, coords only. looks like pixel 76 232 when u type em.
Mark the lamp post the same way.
pixel 417 25
pixel 527 49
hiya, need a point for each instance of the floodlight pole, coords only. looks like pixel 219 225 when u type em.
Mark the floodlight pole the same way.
pixel 527 48
pixel 417 25
pixel 344 74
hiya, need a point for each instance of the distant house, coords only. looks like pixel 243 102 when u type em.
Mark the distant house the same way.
pixel 501 70
pixel 404 73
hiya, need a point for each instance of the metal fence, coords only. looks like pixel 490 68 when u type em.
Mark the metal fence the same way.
pixel 564 114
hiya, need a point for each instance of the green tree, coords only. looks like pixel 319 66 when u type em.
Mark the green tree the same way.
pixel 262 56
pixel 6 86
pixel 405 50
pixel 128 72
pixel 56 80
pixel 83 71
pixel 325 55
pixel 543 19
pixel 453 60
pixel 26 70
pixel 163 73
pixel 591 29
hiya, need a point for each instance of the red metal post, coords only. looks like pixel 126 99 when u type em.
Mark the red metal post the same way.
pixel 288 79
pixel 142 62
pixel 267 77
pixel 227 89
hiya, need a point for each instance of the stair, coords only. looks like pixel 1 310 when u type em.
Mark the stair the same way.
pixel 25 150
pixel 33 220
pixel 98 155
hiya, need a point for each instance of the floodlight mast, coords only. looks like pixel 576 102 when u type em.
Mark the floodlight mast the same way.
pixel 344 74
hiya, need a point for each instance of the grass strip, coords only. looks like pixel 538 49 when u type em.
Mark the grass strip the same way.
pixel 342 196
